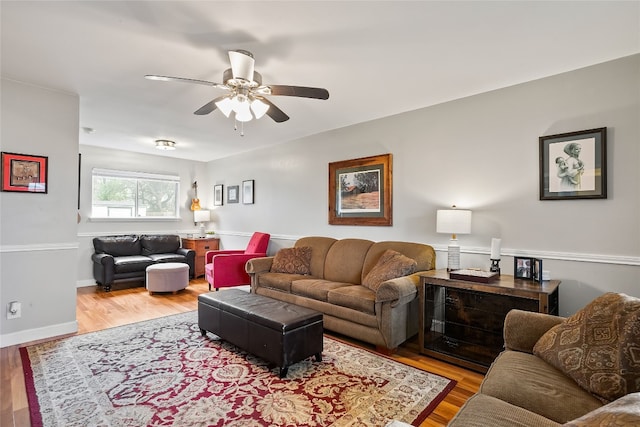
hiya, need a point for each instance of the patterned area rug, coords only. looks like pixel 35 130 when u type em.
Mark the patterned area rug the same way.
pixel 163 372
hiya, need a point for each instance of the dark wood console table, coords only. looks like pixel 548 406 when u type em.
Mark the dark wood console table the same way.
pixel 461 322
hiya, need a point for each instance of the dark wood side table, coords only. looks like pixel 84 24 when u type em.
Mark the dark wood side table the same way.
pixel 201 246
pixel 461 322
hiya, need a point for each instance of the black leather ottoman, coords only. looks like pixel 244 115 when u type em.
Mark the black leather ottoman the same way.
pixel 276 331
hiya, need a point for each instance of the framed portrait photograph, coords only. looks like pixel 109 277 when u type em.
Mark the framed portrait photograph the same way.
pixel 574 165
pixel 218 191
pixel 523 268
pixel 233 194
pixel 24 173
pixel 360 191
pixel 247 192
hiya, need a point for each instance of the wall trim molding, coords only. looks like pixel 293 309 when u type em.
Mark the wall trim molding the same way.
pixel 47 332
pixel 544 255
pixel 40 247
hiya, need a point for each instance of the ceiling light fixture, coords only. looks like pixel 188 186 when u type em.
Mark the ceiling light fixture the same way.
pixel 165 144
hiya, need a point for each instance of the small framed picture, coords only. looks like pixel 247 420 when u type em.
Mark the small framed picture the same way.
pixel 247 192
pixel 537 270
pixel 217 194
pixel 233 193
pixel 523 268
pixel 24 173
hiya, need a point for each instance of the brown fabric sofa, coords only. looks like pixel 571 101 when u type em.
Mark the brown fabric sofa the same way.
pixel 521 389
pixel 385 317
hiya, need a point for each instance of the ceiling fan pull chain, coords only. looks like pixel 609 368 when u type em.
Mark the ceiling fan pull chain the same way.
pixel 241 128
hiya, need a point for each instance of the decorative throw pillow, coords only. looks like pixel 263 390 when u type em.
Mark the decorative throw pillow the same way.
pixel 391 264
pixel 292 261
pixel 598 347
pixel 621 412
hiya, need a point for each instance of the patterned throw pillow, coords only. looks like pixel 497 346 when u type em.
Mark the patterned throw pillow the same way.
pixel 598 347
pixel 391 264
pixel 292 261
pixel 622 412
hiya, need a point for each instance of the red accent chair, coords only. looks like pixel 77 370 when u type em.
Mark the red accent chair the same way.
pixel 225 268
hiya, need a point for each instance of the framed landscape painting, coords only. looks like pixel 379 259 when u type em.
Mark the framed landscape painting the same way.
pixel 574 165
pixel 360 191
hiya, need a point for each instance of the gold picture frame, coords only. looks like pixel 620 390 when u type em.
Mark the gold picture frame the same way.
pixel 360 191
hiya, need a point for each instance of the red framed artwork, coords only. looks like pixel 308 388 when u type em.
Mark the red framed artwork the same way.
pixel 24 173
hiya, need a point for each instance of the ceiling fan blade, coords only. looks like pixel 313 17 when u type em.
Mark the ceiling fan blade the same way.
pixel 209 106
pixel 274 112
pixel 182 79
pixel 301 91
pixel 242 64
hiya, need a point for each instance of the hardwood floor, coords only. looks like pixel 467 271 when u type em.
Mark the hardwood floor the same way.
pixel 98 310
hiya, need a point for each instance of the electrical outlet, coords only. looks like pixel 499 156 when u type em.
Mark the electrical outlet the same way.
pixel 14 310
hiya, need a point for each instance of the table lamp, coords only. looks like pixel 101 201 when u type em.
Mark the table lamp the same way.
pixel 202 217
pixel 453 221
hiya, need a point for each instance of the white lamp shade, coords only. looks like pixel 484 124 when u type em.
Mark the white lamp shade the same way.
pixel 243 113
pixel 453 221
pixel 225 105
pixel 201 216
pixel 259 108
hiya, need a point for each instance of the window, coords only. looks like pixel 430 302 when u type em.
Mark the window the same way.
pixel 122 194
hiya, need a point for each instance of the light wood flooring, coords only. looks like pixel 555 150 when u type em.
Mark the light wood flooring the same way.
pixel 125 304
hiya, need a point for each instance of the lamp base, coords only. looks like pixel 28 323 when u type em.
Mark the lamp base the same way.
pixel 495 266
pixel 453 257
pixel 202 232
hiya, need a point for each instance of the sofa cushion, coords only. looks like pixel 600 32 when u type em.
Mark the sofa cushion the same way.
pixel 295 260
pixel 281 281
pixel 159 244
pixel 319 248
pixel 130 264
pixel 485 411
pixel 527 381
pixel 356 297
pixel 118 245
pixel 315 288
pixel 621 412
pixel 345 259
pixel 391 264
pixel 598 346
pixel 169 257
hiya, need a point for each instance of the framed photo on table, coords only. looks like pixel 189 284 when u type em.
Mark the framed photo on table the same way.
pixel 24 173
pixel 360 191
pixel 574 165
pixel 523 268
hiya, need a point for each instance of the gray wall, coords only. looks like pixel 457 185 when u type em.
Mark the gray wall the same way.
pixel 479 153
pixel 38 239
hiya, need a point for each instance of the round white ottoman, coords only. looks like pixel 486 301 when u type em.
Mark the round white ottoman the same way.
pixel 167 277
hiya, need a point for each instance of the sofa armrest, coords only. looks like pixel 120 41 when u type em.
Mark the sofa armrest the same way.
pixel 106 260
pixel 523 329
pixel 259 265
pixel 400 290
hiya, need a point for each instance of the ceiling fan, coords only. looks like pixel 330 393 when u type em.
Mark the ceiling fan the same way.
pixel 246 93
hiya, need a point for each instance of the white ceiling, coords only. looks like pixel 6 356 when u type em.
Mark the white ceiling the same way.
pixel 376 59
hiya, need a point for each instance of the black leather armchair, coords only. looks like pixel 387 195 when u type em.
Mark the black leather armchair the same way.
pixel 126 257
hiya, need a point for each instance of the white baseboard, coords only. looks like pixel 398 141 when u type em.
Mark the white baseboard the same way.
pixel 28 335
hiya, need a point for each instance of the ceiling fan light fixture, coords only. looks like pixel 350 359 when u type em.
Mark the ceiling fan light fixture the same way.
pixel 165 144
pixel 259 108
pixel 243 113
pixel 225 105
